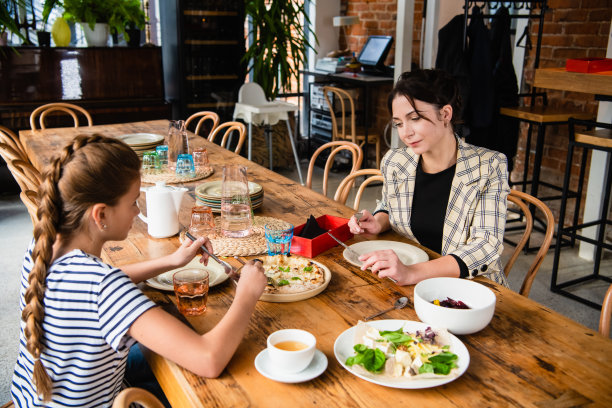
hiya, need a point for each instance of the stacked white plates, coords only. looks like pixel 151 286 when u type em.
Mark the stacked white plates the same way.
pixel 142 142
pixel 209 194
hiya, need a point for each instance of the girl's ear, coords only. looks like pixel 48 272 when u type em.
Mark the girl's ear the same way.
pixel 98 216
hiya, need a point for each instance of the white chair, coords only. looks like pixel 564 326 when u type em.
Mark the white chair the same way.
pixel 254 108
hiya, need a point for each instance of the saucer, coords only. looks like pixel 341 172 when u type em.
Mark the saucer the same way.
pixel 316 367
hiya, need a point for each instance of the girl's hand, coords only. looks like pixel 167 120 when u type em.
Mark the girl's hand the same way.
pixel 386 264
pixel 368 224
pixel 252 280
pixel 188 249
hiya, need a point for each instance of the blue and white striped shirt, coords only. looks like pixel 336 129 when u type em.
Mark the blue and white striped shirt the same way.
pixel 89 307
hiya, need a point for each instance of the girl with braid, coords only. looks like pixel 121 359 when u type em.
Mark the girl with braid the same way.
pixel 80 316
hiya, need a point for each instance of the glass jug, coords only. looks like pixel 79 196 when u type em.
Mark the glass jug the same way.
pixel 236 215
pixel 177 142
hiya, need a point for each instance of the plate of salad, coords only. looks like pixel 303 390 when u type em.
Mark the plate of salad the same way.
pixel 401 354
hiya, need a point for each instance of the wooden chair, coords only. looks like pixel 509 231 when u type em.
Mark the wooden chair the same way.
pixel 30 199
pixel 10 138
pixel 229 128
pixel 523 200
pixel 606 314
pixel 26 175
pixel 136 395
pixel 68 108
pixel 343 190
pixel 336 147
pixel 204 116
pixel 343 126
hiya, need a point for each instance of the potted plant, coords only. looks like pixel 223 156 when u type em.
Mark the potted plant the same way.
pixel 279 43
pixel 7 20
pixel 131 17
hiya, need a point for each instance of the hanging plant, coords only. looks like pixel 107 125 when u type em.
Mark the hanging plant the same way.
pixel 279 34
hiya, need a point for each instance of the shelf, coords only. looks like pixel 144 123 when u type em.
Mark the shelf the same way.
pixel 210 13
pixel 209 77
pixel 211 42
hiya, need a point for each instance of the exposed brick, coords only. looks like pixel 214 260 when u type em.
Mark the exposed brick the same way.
pixel 602 15
pixel 596 4
pixel 370 24
pixel 387 25
pixel 588 41
pixel 379 7
pixel 549 28
pixel 570 15
pixel 560 4
pixel 366 16
pixel 580 28
pixel 558 40
pixel 568 53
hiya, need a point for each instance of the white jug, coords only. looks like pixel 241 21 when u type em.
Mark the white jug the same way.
pixel 163 205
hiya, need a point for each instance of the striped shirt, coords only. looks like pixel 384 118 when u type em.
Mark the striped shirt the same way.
pixel 89 307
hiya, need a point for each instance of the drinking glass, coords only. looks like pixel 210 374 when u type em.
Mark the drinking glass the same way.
pixel 150 163
pixel 202 221
pixel 278 238
pixel 162 153
pixel 236 215
pixel 184 166
pixel 177 142
pixel 191 290
pixel 200 159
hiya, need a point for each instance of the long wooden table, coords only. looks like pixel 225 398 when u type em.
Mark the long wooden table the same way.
pixel 528 356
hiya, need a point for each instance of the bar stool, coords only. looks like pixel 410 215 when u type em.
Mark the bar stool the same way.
pixel 600 139
pixel 542 116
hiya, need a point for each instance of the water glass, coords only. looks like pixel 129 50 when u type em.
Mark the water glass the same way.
pixel 177 141
pixel 278 238
pixel 200 159
pixel 184 166
pixel 150 163
pixel 191 290
pixel 162 154
pixel 236 214
pixel 202 221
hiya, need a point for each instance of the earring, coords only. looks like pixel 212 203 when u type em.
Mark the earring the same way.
pixel 104 226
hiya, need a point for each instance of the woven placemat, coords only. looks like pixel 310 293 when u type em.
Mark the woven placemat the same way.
pixel 254 244
pixel 171 178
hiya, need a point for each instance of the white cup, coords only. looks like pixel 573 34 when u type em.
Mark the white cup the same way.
pixel 291 361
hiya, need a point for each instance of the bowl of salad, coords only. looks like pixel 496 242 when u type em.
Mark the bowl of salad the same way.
pixel 459 305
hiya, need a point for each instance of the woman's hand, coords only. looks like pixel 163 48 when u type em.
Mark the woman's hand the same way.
pixel 252 280
pixel 368 224
pixel 188 249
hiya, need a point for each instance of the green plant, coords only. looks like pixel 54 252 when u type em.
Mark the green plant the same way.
pixel 279 33
pixel 7 17
pixel 118 14
pixel 48 7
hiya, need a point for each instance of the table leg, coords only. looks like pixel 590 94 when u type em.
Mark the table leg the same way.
pixel 295 155
pixel 250 136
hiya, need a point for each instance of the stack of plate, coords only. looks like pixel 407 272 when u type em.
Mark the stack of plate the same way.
pixel 209 194
pixel 142 142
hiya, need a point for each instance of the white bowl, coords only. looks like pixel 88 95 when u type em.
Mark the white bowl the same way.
pixel 479 298
pixel 292 361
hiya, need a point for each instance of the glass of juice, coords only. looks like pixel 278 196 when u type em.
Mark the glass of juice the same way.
pixel 191 290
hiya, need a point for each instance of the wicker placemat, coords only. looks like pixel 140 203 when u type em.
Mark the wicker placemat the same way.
pixel 171 178
pixel 254 244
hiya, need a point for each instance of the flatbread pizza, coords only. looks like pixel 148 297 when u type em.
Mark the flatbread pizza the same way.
pixel 292 274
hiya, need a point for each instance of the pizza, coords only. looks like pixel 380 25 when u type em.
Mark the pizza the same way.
pixel 292 274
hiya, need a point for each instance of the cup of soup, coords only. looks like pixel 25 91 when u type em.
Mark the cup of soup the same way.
pixel 291 350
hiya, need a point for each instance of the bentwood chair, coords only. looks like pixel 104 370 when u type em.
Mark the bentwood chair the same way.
pixel 523 201
pixel 344 120
pixel 204 116
pixel 606 314
pixel 67 108
pixel 26 175
pixel 229 128
pixel 10 138
pixel 136 395
pixel 336 147
pixel 343 190
pixel 30 199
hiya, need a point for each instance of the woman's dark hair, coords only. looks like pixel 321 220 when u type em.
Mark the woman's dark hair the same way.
pixel 432 86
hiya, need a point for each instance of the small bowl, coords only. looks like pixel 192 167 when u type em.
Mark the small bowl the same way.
pixel 479 298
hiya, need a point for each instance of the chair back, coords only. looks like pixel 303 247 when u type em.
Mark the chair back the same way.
pixel 9 153
pixel 229 127
pixel 343 119
pixel 523 201
pixel 9 137
pixel 27 176
pixel 68 108
pixel 204 116
pixel 336 147
pixel 343 190
pixel 606 314
pixel 252 93
pixel 136 395
pixel 30 199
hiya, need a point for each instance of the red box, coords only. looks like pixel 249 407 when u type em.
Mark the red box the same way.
pixel 310 248
pixel 588 65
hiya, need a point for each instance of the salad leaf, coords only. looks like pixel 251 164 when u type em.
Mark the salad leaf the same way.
pixel 307 268
pixel 284 269
pixel 441 363
pixel 372 360
pixel 296 278
pixel 397 337
pixel 283 282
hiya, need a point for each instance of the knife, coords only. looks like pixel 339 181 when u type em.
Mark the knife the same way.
pixel 353 252
pixel 227 267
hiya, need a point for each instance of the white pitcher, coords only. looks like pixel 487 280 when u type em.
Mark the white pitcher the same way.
pixel 163 205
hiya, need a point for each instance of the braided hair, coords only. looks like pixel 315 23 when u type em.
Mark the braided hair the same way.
pixel 90 170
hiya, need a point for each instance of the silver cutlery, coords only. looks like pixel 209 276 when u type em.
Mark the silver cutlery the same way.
pixel 229 269
pixel 399 304
pixel 270 280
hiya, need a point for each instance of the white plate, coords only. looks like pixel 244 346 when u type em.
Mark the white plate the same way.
pixel 212 189
pixel 407 254
pixel 316 367
pixel 216 275
pixel 139 139
pixel 343 349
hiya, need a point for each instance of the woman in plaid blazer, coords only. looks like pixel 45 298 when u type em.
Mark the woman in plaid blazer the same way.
pixel 444 193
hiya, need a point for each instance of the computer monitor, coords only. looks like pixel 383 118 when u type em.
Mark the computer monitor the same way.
pixel 375 50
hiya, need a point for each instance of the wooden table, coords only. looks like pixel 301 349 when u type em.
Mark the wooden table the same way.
pixel 597 83
pixel 528 356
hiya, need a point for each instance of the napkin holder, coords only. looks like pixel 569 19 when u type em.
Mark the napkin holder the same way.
pixel 588 65
pixel 310 248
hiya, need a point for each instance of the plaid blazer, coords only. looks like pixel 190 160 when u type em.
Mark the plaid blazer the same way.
pixel 476 211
